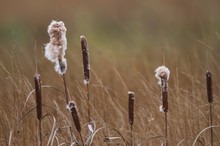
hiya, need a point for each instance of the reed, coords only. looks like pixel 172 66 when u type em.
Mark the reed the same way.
pixel 72 108
pixel 162 74
pixel 85 56
pixel 210 100
pixel 37 81
pixel 86 70
pixel 131 97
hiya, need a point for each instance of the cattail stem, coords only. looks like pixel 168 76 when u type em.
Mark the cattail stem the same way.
pixel 40 133
pixel 210 100
pixel 81 138
pixel 65 88
pixel 131 134
pixel 72 108
pixel 162 74
pixel 37 81
pixel 86 69
pixel 211 130
pixel 164 103
pixel 166 131
pixel 88 99
pixel 131 98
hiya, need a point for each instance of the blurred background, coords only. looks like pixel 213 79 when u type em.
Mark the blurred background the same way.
pixel 122 33
pixel 127 39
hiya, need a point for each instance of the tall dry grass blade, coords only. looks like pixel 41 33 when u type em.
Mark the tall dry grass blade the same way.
pixel 37 81
pixel 210 100
pixel 197 137
pixel 72 108
pixel 131 98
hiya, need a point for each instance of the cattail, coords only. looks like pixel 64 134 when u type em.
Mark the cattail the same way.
pixel 164 93
pixel 55 49
pixel 72 108
pixel 131 106
pixel 37 81
pixel 209 86
pixel 162 74
pixel 85 55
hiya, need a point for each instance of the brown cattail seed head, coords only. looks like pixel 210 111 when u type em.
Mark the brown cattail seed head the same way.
pixel 37 82
pixel 164 93
pixel 85 55
pixel 72 108
pixel 131 106
pixel 209 86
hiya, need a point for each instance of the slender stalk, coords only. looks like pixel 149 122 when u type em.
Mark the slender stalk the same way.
pixel 37 81
pixel 72 108
pixel 88 99
pixel 131 135
pixel 210 100
pixel 66 91
pixel 165 120
pixel 211 130
pixel 40 133
pixel 86 69
pixel 131 97
pixel 67 100
pixel 81 138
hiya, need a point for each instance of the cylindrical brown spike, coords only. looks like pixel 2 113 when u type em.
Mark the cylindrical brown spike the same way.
pixel 73 110
pixel 37 81
pixel 164 93
pixel 85 55
pixel 209 86
pixel 131 107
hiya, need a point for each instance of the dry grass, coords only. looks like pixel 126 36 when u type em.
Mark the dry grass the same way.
pixel 188 107
pixel 125 48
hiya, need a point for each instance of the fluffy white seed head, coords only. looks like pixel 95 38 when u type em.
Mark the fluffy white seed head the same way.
pixel 160 72
pixel 55 49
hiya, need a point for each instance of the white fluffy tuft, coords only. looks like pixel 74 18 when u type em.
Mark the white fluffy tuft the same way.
pixel 55 49
pixel 160 71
